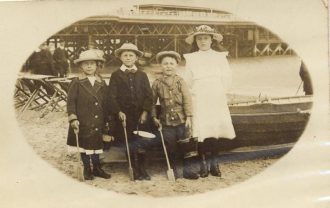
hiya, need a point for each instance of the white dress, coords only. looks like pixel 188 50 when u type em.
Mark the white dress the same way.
pixel 209 76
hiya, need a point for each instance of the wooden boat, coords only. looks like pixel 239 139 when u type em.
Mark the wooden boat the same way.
pixel 263 128
pixel 270 121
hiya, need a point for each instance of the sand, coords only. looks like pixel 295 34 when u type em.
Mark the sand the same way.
pixel 50 144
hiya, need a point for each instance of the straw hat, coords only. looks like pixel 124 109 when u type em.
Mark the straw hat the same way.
pixel 173 54
pixel 203 29
pixel 128 47
pixel 90 55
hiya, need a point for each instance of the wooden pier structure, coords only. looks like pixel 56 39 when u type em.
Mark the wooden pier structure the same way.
pixel 155 27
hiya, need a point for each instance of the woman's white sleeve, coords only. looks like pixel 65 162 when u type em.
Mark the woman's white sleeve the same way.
pixel 187 74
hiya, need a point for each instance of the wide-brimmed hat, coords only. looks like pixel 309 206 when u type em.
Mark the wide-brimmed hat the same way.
pixel 90 55
pixel 173 54
pixel 128 47
pixel 203 29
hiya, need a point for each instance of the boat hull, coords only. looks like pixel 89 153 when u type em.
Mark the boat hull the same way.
pixel 269 123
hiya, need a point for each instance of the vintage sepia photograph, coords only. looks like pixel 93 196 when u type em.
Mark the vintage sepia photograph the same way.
pixel 163 100
pixel 136 101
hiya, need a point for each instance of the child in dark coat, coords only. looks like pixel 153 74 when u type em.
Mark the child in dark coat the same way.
pixel 87 110
pixel 131 102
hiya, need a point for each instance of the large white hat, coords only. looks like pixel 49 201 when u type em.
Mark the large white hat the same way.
pixel 90 55
pixel 128 47
pixel 203 29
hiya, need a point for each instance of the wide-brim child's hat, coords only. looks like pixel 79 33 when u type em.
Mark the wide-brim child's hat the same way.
pixel 128 47
pixel 90 55
pixel 173 54
pixel 203 30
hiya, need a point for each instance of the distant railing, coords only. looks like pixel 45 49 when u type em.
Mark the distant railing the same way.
pixel 228 17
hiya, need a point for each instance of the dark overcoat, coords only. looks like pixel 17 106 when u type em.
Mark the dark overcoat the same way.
pixel 61 61
pixel 88 104
pixel 120 100
pixel 42 63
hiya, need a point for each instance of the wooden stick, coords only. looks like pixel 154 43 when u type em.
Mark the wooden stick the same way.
pixel 130 169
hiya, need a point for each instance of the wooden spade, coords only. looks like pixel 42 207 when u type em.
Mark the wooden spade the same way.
pixel 79 167
pixel 170 172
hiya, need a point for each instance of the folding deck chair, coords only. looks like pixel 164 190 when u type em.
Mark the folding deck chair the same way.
pixel 59 98
pixel 30 92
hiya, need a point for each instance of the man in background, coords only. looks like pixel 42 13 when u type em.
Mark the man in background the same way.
pixel 306 79
pixel 60 57
pixel 41 61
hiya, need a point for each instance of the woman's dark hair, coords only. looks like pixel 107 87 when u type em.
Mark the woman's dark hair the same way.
pixel 215 45
pixel 99 64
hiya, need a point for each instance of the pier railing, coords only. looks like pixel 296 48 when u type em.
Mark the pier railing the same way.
pixel 177 14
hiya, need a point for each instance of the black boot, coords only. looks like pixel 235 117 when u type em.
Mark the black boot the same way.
pixel 204 167
pixel 174 163
pixel 136 167
pixel 141 161
pixel 97 170
pixel 188 171
pixel 214 168
pixel 87 167
pixel 88 173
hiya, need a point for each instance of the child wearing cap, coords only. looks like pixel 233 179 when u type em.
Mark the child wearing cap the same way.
pixel 176 108
pixel 131 102
pixel 87 107
pixel 210 78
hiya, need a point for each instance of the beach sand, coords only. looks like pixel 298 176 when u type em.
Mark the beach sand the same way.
pixel 50 145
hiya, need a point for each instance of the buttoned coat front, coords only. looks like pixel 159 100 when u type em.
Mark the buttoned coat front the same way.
pixel 121 100
pixel 174 98
pixel 88 104
pixel 120 92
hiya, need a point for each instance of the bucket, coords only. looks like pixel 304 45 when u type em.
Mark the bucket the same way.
pixel 188 147
pixel 144 135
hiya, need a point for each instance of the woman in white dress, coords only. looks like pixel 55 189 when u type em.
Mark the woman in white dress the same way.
pixel 209 77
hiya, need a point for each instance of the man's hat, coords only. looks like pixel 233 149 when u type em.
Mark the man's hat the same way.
pixel 203 29
pixel 173 54
pixel 128 47
pixel 90 55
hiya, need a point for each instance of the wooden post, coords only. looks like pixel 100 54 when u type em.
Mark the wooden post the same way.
pixel 175 43
pixel 256 34
pixel 236 47
pixel 136 40
pixel 256 39
pixel 90 41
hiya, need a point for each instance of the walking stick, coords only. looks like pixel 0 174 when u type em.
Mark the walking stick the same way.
pixel 79 169
pixel 170 172
pixel 130 169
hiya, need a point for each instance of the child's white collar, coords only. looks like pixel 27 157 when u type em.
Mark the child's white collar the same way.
pixel 123 67
pixel 91 79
